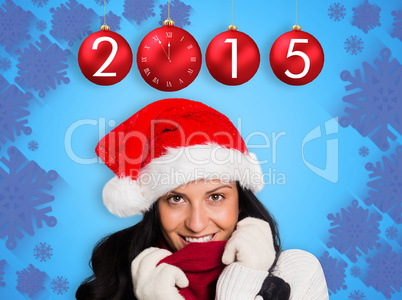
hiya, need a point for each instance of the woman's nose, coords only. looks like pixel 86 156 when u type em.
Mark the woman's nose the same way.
pixel 197 219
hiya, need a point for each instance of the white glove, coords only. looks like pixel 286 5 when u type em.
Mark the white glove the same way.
pixel 153 282
pixel 251 245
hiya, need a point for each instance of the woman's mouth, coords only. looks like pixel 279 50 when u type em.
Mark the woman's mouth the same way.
pixel 203 239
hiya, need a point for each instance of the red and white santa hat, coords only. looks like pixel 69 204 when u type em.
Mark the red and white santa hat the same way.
pixel 169 143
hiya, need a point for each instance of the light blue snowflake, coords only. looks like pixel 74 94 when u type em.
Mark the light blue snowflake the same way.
pixel 40 3
pixel 2 264
pixel 42 67
pixel 14 25
pixel 43 252
pixel 364 151
pixel 354 45
pixel 334 272
pixel 138 10
pixel 24 197
pixel 112 20
pixel 391 233
pixel 366 16
pixel 179 13
pixel 397 30
pixel 352 229
pixel 357 295
pixel 5 64
pixel 336 12
pixel 13 111
pixel 355 271
pixel 385 272
pixel 376 101
pixel 386 185
pixel 30 280
pixel 33 145
pixel 59 285
pixel 41 25
pixel 71 22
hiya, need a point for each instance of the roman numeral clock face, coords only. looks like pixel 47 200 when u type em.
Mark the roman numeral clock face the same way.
pixel 169 58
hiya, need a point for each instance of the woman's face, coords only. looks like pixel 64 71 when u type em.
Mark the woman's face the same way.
pixel 200 211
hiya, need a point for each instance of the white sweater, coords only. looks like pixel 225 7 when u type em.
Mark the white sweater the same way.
pixel 300 269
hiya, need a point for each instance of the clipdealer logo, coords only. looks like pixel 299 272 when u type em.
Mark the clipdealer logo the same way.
pixel 269 148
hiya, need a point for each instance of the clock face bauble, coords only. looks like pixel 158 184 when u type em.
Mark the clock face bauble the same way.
pixel 169 58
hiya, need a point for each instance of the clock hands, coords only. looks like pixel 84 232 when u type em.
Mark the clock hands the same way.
pixel 163 48
pixel 169 51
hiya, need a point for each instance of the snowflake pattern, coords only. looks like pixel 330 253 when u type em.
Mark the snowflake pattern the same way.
pixel 43 252
pixel 353 229
pixel 334 272
pixel 355 271
pixel 71 22
pixel 364 151
pixel 391 233
pixel 2 263
pixel 24 197
pixel 40 3
pixel 112 20
pixel 5 64
pixel 41 25
pixel 14 25
pixel 13 111
pixel 386 185
pixel 336 12
pixel 59 285
pixel 33 145
pixel 366 16
pixel 42 67
pixel 385 272
pixel 179 13
pixel 30 280
pixel 377 101
pixel 354 45
pixel 397 30
pixel 357 295
pixel 102 2
pixel 138 10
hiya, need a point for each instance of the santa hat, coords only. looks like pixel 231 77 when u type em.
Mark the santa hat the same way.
pixel 167 144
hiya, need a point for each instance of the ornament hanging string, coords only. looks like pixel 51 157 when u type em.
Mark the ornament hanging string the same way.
pixel 168 21
pixel 296 27
pixel 232 26
pixel 104 26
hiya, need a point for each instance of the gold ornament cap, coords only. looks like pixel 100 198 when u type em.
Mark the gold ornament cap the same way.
pixel 232 27
pixel 168 22
pixel 296 27
pixel 104 27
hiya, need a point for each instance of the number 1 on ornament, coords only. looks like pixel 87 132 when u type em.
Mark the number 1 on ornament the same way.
pixel 234 56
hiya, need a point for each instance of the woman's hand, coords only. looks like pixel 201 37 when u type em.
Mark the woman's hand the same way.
pixel 153 282
pixel 251 245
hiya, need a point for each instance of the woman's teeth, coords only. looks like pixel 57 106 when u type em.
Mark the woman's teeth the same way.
pixel 200 240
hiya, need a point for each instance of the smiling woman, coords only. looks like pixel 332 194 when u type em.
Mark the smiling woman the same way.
pixel 200 211
pixel 204 234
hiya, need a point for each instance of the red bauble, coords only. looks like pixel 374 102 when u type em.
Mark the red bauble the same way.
pixel 169 58
pixel 296 57
pixel 232 57
pixel 105 57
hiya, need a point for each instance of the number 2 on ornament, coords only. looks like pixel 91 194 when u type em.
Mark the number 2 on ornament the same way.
pixel 109 59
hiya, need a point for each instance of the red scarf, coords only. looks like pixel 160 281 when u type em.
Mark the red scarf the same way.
pixel 202 264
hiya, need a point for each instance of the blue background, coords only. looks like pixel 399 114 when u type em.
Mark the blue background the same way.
pixel 302 204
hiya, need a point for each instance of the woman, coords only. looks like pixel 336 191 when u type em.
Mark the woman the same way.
pixel 204 234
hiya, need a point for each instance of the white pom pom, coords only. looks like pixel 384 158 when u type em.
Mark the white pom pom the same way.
pixel 123 197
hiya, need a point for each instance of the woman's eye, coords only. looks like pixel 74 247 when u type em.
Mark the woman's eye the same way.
pixel 216 197
pixel 174 199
